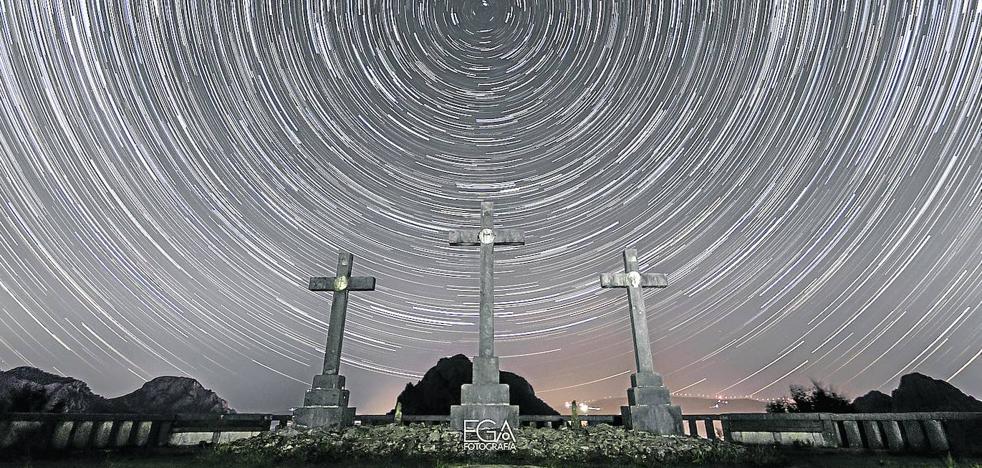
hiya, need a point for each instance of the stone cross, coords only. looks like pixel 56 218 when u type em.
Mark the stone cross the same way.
pixel 326 403
pixel 649 401
pixel 340 285
pixel 634 281
pixel 485 398
pixel 487 237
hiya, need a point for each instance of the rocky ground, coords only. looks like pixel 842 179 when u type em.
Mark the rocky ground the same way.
pixel 600 445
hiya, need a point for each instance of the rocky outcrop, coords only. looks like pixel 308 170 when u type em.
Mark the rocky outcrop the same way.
pixel 873 402
pixel 440 388
pixel 26 389
pixel 918 392
pixel 173 395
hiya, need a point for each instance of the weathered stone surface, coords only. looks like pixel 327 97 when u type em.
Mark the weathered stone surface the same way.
pixel 486 370
pixel 123 433
pixel 142 433
pixel 646 379
pixel 915 435
pixel 648 396
pixel 103 430
pixel 484 394
pixel 328 381
pixel 326 417
pixel 83 430
pixel 59 440
pixel 441 386
pixel 891 431
pixel 853 437
pixel 326 397
pixel 874 437
pixel 499 413
pixel 937 441
pixel 657 419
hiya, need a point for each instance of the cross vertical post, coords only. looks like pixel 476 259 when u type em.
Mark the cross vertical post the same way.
pixel 639 316
pixel 486 338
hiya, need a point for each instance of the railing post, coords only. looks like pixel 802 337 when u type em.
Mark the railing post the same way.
pixel 693 430
pixel 936 437
pixel 6 431
pixel 853 439
pixel 710 428
pixel 725 423
pixel 892 432
pixel 874 438
pixel 830 431
pixel 915 435
pixel 62 434
pixel 82 434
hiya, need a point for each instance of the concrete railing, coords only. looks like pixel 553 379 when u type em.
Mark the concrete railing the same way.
pixel 937 432
pixel 914 432
pixel 705 426
pixel 56 431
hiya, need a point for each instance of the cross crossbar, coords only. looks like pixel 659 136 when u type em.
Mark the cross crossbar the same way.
pixel 500 237
pixel 624 280
pixel 342 283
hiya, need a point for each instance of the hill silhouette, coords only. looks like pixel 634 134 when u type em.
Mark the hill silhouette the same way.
pixel 918 392
pixel 440 388
pixel 31 390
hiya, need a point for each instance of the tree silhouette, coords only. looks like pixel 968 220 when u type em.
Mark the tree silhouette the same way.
pixel 817 399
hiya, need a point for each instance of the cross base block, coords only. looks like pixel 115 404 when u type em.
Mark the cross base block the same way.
pixel 326 397
pixel 656 419
pixel 484 394
pixel 324 417
pixel 485 370
pixel 498 413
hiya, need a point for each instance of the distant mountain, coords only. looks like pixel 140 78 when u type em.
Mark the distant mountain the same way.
pixel 440 388
pixel 31 390
pixel 917 392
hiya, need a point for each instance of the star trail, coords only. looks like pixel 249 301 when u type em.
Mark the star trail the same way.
pixel 808 174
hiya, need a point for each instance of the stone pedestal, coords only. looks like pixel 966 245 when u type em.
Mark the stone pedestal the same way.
pixel 325 405
pixel 650 406
pixel 485 398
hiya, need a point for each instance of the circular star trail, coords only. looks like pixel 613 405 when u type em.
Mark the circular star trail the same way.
pixel 808 176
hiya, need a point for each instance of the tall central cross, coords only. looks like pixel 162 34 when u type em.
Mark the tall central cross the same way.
pixel 649 401
pixel 485 398
pixel 487 237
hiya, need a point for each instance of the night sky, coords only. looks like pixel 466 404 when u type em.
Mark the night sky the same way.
pixel 808 175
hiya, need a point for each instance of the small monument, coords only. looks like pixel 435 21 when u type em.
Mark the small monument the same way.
pixel 326 403
pixel 649 401
pixel 485 398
